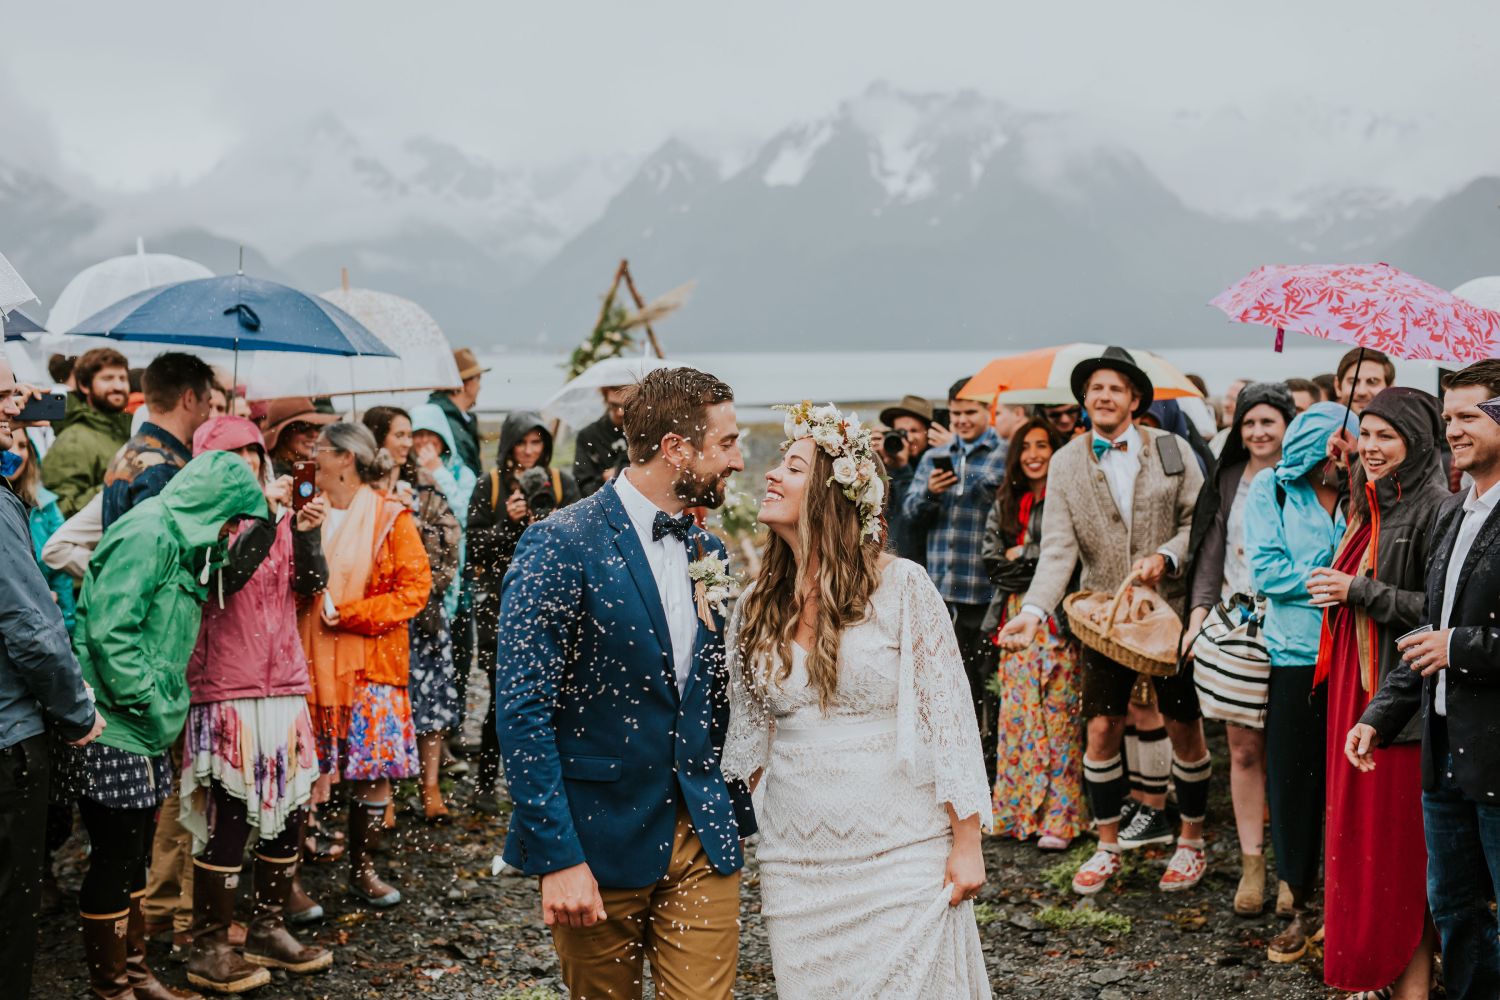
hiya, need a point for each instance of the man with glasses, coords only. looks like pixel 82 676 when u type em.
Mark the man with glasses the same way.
pixel 1063 418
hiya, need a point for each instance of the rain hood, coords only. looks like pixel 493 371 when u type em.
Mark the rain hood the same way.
pixel 430 417
pixel 517 425
pixel 1306 442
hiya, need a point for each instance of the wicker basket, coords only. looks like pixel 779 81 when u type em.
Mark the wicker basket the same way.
pixel 1103 643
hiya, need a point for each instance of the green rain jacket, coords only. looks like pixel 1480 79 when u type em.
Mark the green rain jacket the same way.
pixel 87 440
pixel 142 599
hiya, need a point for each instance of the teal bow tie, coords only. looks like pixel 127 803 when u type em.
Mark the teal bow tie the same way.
pixel 1101 446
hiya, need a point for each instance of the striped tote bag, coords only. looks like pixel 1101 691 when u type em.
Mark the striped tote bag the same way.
pixel 1231 667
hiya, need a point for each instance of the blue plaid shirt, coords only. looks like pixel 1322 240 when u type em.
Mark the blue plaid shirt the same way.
pixel 955 519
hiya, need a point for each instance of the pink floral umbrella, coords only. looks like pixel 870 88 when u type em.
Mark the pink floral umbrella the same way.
pixel 1373 306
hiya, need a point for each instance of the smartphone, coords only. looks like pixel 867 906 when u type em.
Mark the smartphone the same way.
pixel 304 483
pixel 943 463
pixel 48 408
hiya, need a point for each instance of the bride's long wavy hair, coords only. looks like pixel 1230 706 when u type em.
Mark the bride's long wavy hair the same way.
pixel 847 575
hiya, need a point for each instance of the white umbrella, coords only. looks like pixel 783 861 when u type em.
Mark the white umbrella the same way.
pixel 107 282
pixel 13 289
pixel 426 356
pixel 578 403
pixel 1483 292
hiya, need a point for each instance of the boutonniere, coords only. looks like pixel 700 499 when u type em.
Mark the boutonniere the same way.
pixel 712 585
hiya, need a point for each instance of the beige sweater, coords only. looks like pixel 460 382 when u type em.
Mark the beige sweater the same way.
pixel 1081 522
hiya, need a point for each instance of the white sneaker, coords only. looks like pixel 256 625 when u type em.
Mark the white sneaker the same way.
pixel 1098 870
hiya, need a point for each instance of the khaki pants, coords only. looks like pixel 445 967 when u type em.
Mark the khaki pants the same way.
pixel 169 880
pixel 687 925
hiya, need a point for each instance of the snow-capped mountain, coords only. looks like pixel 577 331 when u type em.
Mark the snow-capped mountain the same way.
pixel 897 220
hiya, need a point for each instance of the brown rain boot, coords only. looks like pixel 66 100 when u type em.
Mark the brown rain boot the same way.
pixel 302 908
pixel 365 823
pixel 1291 944
pixel 214 964
pixel 270 943
pixel 104 951
pixel 1250 897
pixel 143 982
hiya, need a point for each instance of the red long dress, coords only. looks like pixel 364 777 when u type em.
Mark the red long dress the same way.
pixel 1375 857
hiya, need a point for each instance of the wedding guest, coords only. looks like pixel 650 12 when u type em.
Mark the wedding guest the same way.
pixel 1065 418
pixel 176 391
pixel 600 452
pixel 1038 787
pixel 1294 520
pixel 435 708
pixel 1305 392
pixel 1120 504
pixel 249 762
pixel 458 404
pixel 1221 572
pixel 355 638
pixel 94 427
pixel 950 501
pixel 912 420
pixel 292 425
pixel 499 513
pixel 43 516
pixel 138 617
pixel 39 681
pixel 1449 677
pixel 1381 937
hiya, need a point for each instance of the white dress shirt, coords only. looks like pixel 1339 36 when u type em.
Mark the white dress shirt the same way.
pixel 669 565
pixel 1121 468
pixel 1476 511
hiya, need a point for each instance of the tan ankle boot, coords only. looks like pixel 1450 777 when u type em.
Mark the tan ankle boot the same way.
pixel 269 942
pixel 1250 897
pixel 214 964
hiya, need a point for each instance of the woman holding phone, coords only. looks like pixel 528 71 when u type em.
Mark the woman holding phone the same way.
pixel 1378 931
pixel 355 636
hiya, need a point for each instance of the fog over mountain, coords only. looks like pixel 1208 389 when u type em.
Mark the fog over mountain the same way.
pixel 897 219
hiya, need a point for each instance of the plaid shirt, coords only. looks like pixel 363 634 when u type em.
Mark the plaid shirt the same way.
pixel 955 519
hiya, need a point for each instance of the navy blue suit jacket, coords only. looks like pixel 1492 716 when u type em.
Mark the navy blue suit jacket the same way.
pixel 599 747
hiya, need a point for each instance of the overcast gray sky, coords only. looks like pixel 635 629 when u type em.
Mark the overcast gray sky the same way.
pixel 131 94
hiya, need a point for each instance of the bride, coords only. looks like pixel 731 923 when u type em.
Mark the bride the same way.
pixel 849 703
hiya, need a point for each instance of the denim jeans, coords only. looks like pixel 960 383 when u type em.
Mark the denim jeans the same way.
pixel 1463 871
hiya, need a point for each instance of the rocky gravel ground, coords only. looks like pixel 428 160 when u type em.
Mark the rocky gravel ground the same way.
pixel 464 932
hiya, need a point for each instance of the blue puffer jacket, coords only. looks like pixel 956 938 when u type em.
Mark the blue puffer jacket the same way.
pixel 1288 536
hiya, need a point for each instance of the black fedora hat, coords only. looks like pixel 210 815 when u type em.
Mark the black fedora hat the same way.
pixel 1116 359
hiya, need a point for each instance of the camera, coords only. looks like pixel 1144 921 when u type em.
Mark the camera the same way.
pixel 535 485
pixel 894 442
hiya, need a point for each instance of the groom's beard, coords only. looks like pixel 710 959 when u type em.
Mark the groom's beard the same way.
pixel 697 490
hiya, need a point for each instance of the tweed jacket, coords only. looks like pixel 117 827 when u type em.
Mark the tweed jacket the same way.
pixel 1082 524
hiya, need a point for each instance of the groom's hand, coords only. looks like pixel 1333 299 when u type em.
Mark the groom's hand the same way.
pixel 571 897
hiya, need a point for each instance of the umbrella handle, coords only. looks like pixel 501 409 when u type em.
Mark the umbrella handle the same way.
pixel 248 319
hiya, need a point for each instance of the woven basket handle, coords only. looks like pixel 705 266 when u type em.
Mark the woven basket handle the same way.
pixel 1114 605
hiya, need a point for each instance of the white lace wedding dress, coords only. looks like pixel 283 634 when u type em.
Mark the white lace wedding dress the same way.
pixel 854 833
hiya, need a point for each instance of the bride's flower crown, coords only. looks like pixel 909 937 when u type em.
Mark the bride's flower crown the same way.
pixel 856 468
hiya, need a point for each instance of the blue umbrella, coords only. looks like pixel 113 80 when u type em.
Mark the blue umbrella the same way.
pixel 235 313
pixel 16 323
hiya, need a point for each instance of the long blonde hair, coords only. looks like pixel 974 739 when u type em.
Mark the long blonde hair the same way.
pixel 848 573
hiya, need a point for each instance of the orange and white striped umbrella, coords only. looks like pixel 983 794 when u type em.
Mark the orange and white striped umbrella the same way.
pixel 1045 376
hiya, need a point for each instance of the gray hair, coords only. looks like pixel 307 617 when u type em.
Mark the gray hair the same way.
pixel 371 462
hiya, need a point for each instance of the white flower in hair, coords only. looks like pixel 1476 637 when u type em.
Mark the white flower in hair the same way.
pixel 850 444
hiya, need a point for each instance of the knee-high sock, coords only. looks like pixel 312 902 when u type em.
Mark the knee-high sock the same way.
pixel 1104 780
pixel 1148 757
pixel 1192 786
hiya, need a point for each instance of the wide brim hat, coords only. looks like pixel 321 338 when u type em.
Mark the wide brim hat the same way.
pixel 1120 360
pixel 285 411
pixel 910 406
pixel 467 363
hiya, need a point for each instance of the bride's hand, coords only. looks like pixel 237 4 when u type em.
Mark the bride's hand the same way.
pixel 965 875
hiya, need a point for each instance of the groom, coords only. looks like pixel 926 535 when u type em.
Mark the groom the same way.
pixel 612 707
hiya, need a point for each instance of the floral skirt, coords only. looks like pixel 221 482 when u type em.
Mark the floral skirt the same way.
pixel 381 741
pixel 261 750
pixel 1039 771
pixel 434 691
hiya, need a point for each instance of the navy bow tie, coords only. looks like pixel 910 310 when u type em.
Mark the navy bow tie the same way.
pixel 664 525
